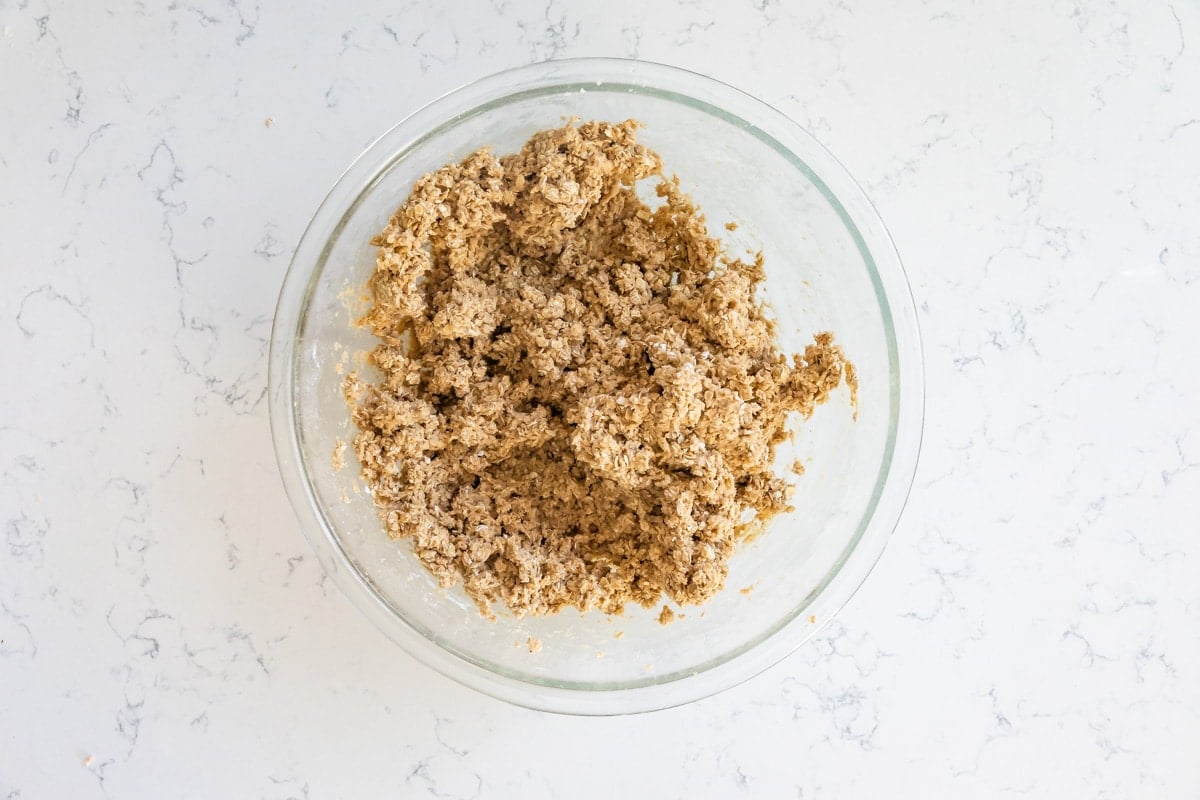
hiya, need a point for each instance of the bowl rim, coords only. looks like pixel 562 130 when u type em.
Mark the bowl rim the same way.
pixel 863 223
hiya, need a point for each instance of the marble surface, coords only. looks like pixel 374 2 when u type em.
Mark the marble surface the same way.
pixel 1032 629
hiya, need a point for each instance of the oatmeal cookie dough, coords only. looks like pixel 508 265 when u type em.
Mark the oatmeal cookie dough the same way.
pixel 579 396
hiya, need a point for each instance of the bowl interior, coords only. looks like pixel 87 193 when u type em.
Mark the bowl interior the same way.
pixel 820 277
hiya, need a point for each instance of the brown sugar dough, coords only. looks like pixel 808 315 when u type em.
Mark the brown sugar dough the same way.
pixel 579 396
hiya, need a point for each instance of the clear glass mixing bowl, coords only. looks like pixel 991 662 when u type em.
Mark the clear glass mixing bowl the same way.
pixel 830 266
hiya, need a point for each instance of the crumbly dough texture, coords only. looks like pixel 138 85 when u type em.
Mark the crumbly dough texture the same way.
pixel 579 396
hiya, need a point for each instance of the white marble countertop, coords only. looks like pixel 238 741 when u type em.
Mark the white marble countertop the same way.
pixel 1034 625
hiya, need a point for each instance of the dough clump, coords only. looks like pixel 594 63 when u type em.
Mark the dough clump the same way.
pixel 578 396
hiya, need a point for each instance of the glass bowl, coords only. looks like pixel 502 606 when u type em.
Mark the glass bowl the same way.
pixel 830 266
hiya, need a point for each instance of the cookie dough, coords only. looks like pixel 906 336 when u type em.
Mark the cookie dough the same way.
pixel 578 395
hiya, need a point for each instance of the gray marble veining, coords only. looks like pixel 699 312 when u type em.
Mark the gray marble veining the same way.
pixel 1032 627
